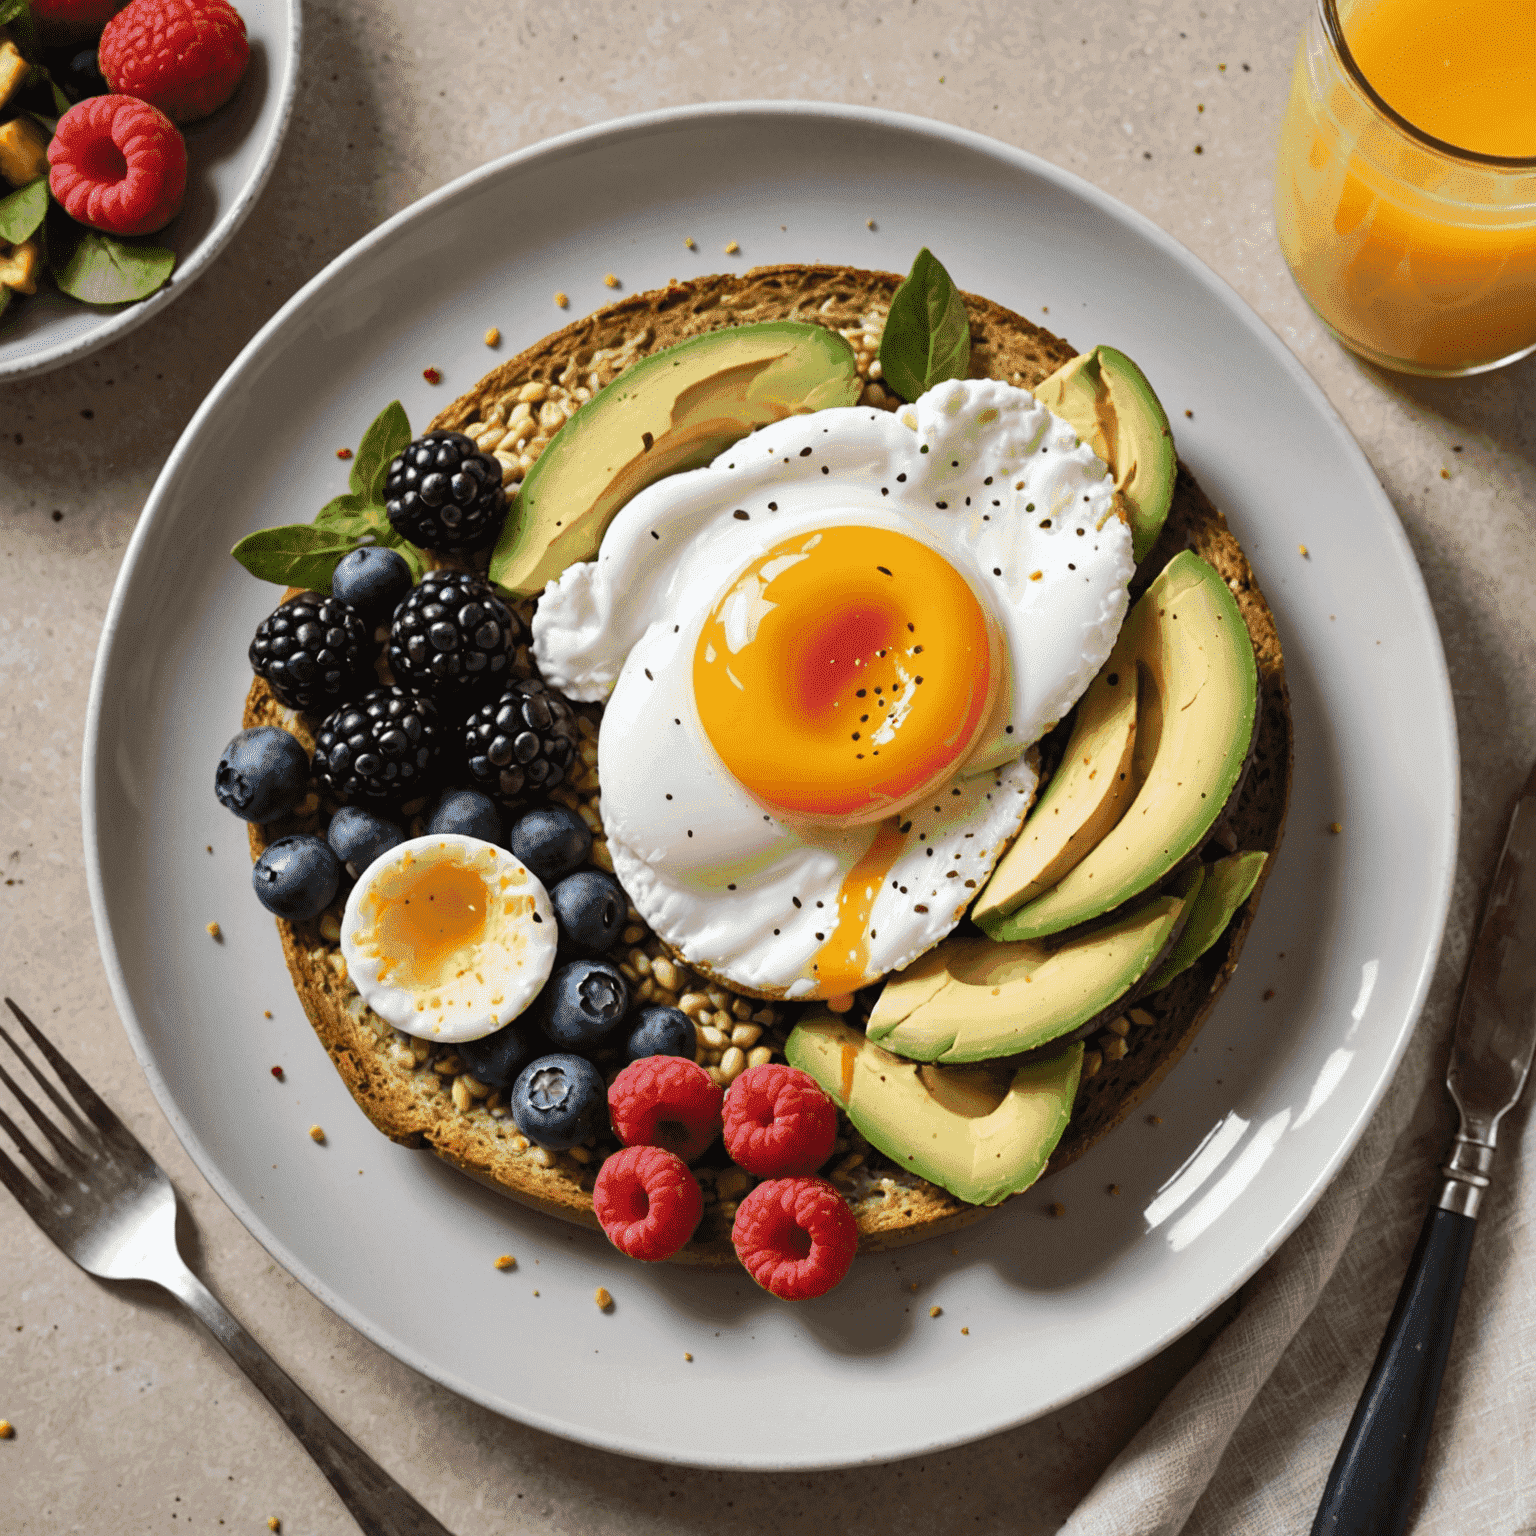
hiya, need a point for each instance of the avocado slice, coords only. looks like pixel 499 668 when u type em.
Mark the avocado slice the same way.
pixel 983 1133
pixel 970 999
pixel 1106 400
pixel 1197 710
pixel 674 410
pixel 1089 792
pixel 1228 884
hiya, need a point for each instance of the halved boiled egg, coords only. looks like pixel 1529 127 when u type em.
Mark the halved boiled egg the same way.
pixel 448 937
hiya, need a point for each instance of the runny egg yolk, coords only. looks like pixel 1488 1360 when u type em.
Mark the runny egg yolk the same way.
pixel 428 919
pixel 846 673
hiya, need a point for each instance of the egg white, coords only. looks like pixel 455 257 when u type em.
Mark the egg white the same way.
pixel 975 469
pixel 497 978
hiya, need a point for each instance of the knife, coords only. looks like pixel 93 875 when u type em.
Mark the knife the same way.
pixel 1371 1487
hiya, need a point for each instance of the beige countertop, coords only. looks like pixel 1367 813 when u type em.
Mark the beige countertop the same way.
pixel 127 1418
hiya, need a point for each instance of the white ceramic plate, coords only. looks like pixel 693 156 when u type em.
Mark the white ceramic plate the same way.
pixel 1254 1121
pixel 229 157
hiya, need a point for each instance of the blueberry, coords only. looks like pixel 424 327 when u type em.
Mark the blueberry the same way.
pixel 262 774
pixel 558 1101
pixel 296 877
pixel 373 579
pixel 358 837
pixel 591 908
pixel 495 1058
pixel 469 812
pixel 582 1002
pixel 661 1032
pixel 551 840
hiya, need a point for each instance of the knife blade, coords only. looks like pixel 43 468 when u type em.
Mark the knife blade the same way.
pixel 1371 1487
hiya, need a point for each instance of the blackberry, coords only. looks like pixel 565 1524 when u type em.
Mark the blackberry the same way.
pixel 314 652
pixel 524 742
pixel 453 637
pixel 443 493
pixel 383 748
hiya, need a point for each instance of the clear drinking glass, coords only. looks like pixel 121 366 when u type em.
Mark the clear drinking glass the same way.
pixel 1415 253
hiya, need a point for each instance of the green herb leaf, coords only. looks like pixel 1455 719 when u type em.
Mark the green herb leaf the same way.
pixel 104 270
pixel 14 10
pixel 61 102
pixel 298 555
pixel 366 522
pixel 927 337
pixel 23 211
pixel 387 437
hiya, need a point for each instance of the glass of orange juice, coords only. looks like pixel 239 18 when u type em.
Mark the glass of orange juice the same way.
pixel 1405 193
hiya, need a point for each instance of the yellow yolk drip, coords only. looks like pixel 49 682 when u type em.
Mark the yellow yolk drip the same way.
pixel 845 673
pixel 428 921
pixel 842 960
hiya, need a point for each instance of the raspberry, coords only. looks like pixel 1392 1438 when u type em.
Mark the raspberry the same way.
pixel 647 1201
pixel 118 164
pixel 778 1122
pixel 665 1101
pixel 184 56
pixel 795 1236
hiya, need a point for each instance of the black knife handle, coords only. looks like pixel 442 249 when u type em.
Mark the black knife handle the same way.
pixel 1376 1472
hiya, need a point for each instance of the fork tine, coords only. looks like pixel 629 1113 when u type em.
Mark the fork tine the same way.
pixel 85 1095
pixel 25 1191
pixel 51 1175
pixel 56 1138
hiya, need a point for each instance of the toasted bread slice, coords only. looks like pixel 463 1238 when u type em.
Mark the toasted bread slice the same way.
pixel 420 1096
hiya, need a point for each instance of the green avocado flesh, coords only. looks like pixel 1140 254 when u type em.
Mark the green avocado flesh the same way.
pixel 1197 702
pixel 1107 401
pixel 970 999
pixel 1228 884
pixel 983 1133
pixel 672 411
pixel 1089 792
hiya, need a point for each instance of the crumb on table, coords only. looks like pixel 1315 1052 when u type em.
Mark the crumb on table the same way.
pixel 935 1311
pixel 506 1261
pixel 603 1299
pixel 1056 1208
pixel 214 931
pixel 562 301
pixel 316 1133
pixel 610 281
pixel 493 336
pixel 432 375
pixel 686 1355
pixel 732 247
pixel 7 1430
pixel 343 453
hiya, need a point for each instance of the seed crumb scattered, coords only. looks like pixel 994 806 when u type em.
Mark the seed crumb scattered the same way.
pixel 1199 149
pixel 266 1013
pixel 432 375
pixel 603 1299
pixel 506 1261
pixel 1154 1119
pixel 209 847
pixel 1190 414
pixel 343 453
pixel 7 1430
pixel 912 1286
pixel 1445 474
pixel 610 281
pixel 732 247
pixel 869 224
pixel 277 1072
pixel 535 1293
pixel 493 336
pixel 316 1133
pixel 1111 1189
pixel 1335 827
pixel 214 931
pixel 954 1253
pixel 562 301
pixel 965 1330
pixel 688 241
pixel 1056 1208
pixel 935 1311
pixel 1302 550
pixel 686 1355
pixel 273 1523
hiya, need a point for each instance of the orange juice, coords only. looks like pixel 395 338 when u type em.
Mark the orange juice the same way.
pixel 1412 231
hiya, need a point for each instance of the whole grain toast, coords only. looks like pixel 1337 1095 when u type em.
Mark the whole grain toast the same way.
pixel 419 1094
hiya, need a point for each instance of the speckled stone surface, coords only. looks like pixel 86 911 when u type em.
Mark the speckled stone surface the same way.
pixel 127 1418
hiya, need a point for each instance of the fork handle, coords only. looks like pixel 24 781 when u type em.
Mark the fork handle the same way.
pixel 377 1502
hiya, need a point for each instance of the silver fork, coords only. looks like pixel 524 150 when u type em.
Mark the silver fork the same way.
pixel 110 1207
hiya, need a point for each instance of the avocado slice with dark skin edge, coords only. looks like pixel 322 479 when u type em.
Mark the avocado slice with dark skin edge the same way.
pixel 971 999
pixel 675 410
pixel 1107 401
pixel 981 1132
pixel 1093 784
pixel 1196 729
pixel 1228 884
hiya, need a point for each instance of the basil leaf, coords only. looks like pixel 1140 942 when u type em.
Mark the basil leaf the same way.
pixel 407 551
pixel 61 102
pixel 927 336
pixel 298 555
pixel 387 437
pixel 23 211
pixel 104 270
pixel 345 514
pixel 14 10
